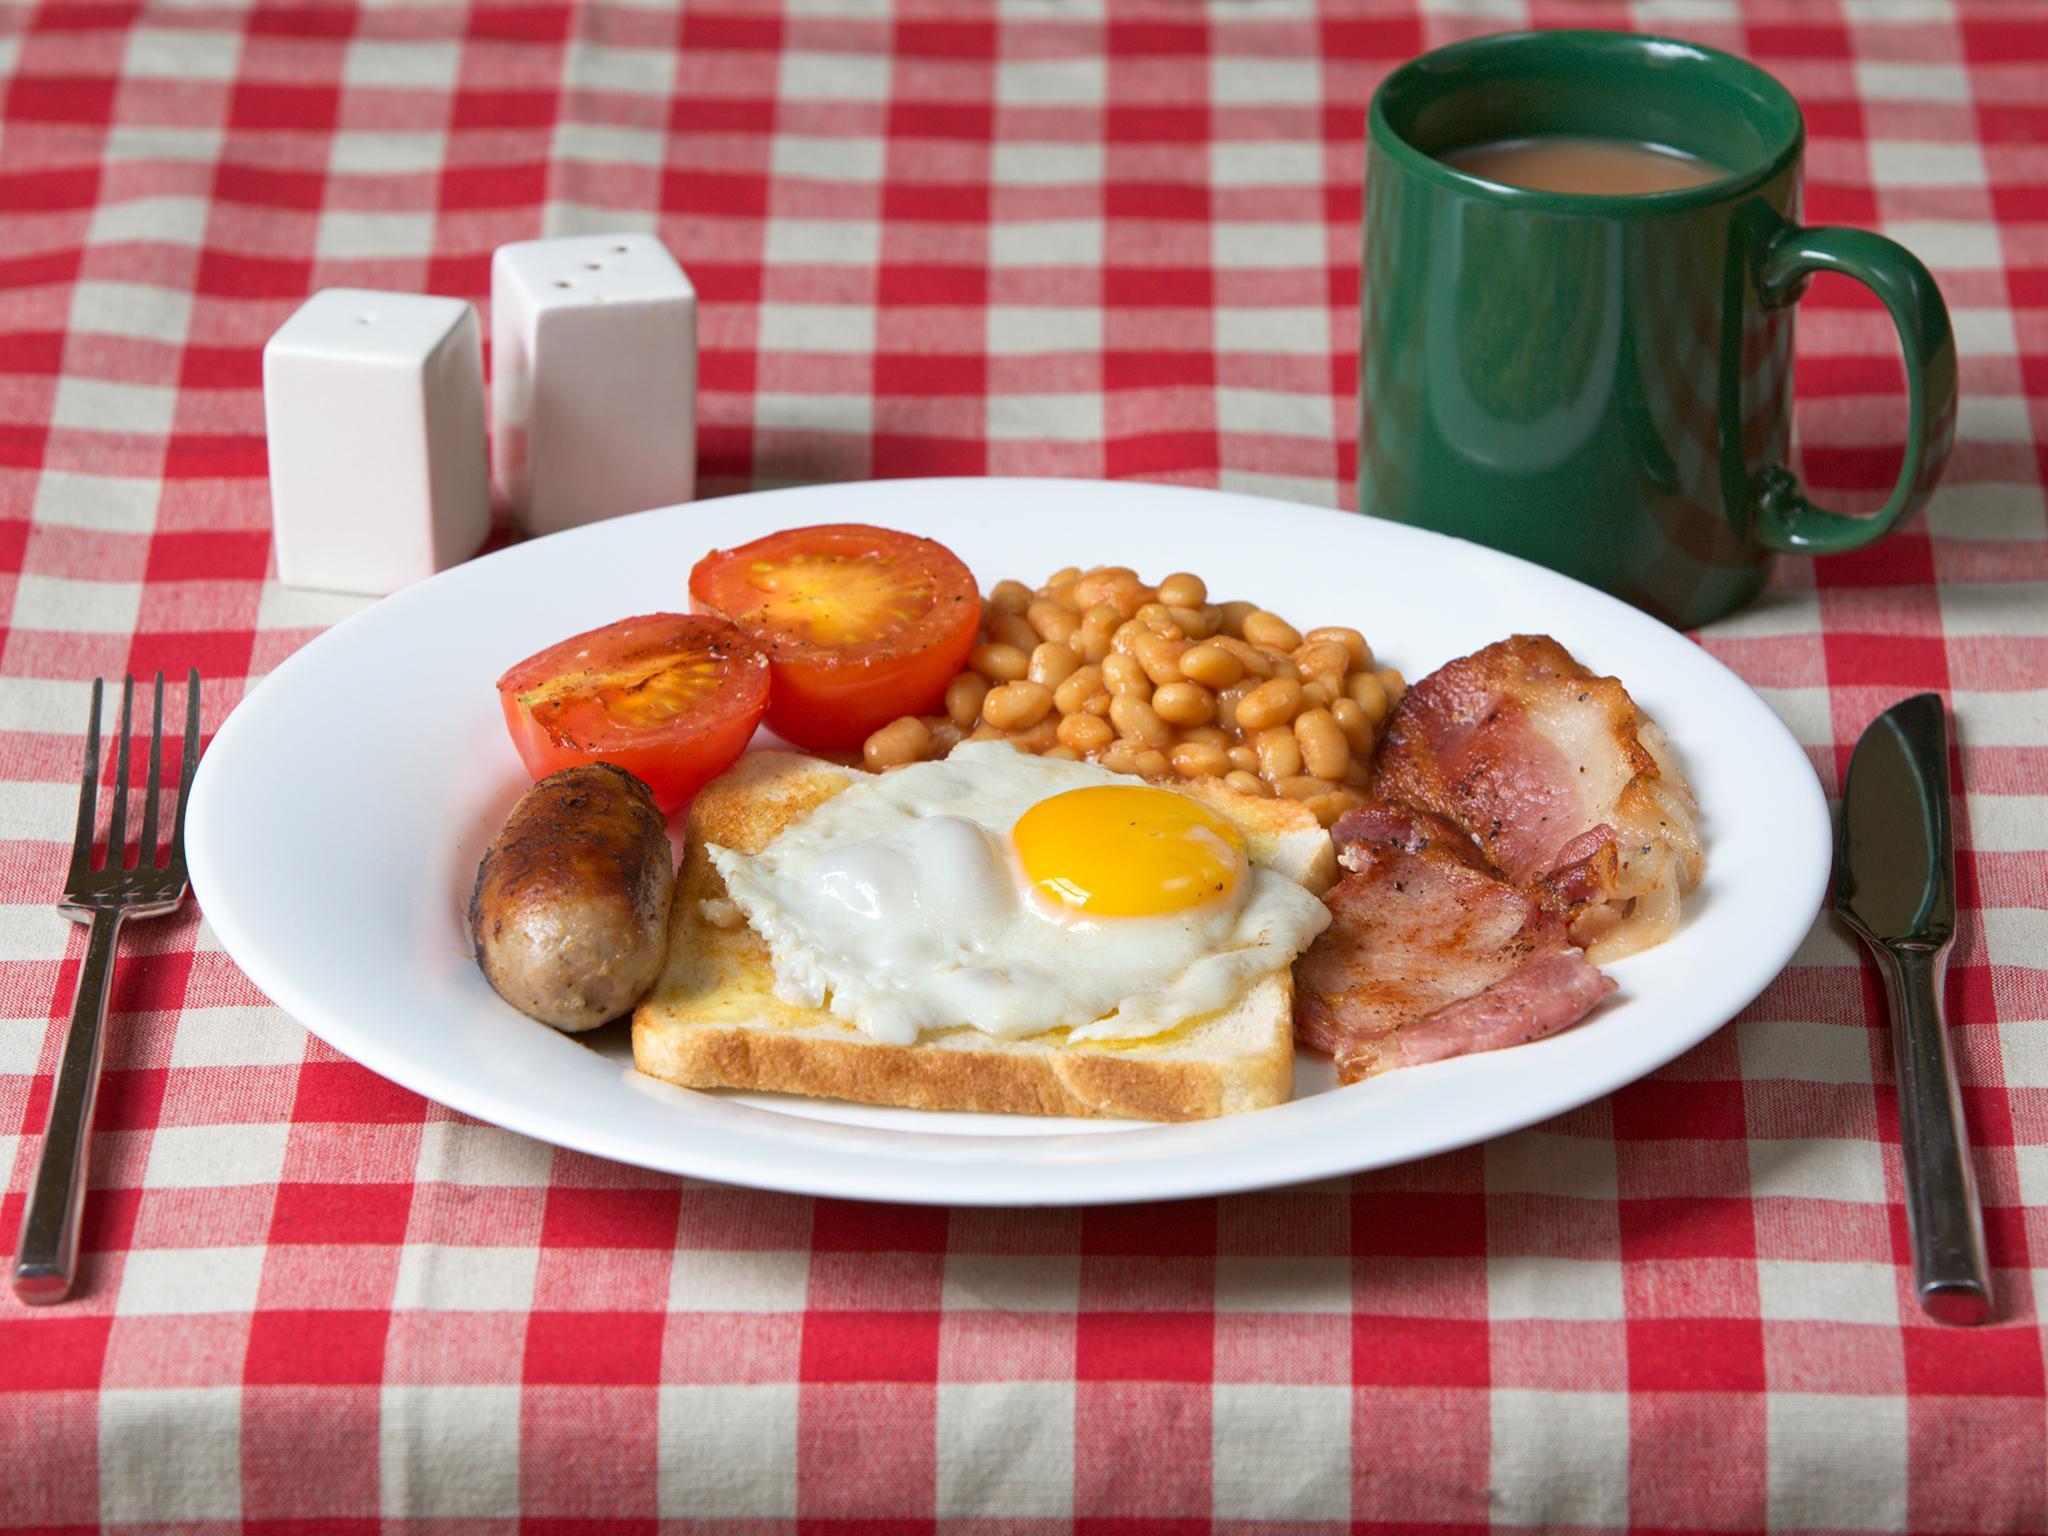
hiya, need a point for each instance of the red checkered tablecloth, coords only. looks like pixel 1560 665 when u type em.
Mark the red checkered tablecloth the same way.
pixel 1055 237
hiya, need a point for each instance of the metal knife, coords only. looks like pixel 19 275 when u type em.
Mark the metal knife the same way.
pixel 1895 882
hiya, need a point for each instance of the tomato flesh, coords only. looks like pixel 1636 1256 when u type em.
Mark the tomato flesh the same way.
pixel 672 698
pixel 861 625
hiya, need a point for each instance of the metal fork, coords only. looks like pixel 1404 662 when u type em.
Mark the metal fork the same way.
pixel 46 1258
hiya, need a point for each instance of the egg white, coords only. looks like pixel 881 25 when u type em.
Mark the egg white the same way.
pixel 900 905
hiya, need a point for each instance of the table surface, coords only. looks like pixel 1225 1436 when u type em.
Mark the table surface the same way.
pixel 1050 238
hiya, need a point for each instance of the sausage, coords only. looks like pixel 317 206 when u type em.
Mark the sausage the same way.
pixel 570 911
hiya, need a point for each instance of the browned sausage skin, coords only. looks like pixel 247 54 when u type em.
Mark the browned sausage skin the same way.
pixel 570 911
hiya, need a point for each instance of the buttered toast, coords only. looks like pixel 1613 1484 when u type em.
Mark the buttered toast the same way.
pixel 712 1019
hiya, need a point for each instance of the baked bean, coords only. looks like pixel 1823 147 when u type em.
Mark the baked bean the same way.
pixel 1052 621
pixel 963 699
pixel 1230 620
pixel 1152 764
pixel 1091 642
pixel 1394 684
pixel 1016 706
pixel 1211 665
pixel 945 735
pixel 1282 665
pixel 1034 738
pixel 1011 629
pixel 1067 754
pixel 1250 657
pixel 1184 703
pixel 1369 694
pixel 1160 657
pixel 1243 758
pixel 999 663
pixel 1227 701
pixel 1133 716
pixel 1086 733
pixel 898 742
pixel 985 732
pixel 1315 695
pixel 1302 786
pixel 1248 784
pixel 1273 702
pixel 1269 629
pixel 1123 675
pixel 1279 753
pixel 1125 640
pixel 1081 685
pixel 1063 576
pixel 1009 597
pixel 1192 622
pixel 1154 614
pixel 1351 720
pixel 1184 589
pixel 1052 664
pixel 1121 757
pixel 1330 806
pixel 1208 733
pixel 1128 595
pixel 1324 751
pixel 1318 657
pixel 1094 586
pixel 1199 759
pixel 1355 648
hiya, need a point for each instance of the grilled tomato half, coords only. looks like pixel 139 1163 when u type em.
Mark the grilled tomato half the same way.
pixel 672 698
pixel 861 625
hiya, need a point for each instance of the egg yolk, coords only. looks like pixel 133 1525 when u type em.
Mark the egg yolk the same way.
pixel 1127 850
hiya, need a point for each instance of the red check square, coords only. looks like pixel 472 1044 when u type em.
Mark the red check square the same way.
pixel 341 1213
pixel 1419 1352
pixel 333 1348
pixel 870 1346
pixel 611 1218
pixel 52 1354
pixel 1144 1346
pixel 594 1348
pixel 1695 1354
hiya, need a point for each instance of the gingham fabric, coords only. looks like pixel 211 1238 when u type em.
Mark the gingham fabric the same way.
pixel 1053 238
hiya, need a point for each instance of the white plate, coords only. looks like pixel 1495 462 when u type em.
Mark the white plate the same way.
pixel 337 821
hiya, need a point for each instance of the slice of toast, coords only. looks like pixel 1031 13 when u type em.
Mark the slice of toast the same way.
pixel 712 1019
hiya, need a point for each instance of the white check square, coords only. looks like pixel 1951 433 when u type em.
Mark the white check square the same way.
pixel 727 1450
pixel 215 1156
pixel 170 1454
pixel 157 1282
pixel 102 405
pixel 436 1277
pixel 739 1280
pixel 449 1452
pixel 1033 1421
pixel 1527 1287
pixel 1560 1458
pixel 1280 1452
pixel 77 607
pixel 1822 1168
pixel 1835 1462
pixel 1808 1291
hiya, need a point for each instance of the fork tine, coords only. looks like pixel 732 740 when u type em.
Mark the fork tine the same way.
pixel 186 768
pixel 88 791
pixel 117 830
pixel 146 859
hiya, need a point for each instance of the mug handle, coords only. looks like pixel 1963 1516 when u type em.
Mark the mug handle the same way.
pixel 1779 517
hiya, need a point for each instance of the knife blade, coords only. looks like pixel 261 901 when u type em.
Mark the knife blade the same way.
pixel 1895 885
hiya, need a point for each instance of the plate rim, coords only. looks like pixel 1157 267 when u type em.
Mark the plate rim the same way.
pixel 878 1176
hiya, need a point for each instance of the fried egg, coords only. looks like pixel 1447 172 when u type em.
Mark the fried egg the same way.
pixel 1017 894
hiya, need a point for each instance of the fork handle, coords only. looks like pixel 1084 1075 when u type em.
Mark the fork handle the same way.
pixel 46 1257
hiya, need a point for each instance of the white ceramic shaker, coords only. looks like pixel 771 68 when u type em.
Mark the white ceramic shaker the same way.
pixel 373 404
pixel 593 379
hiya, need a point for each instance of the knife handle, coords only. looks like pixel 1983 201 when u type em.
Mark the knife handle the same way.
pixel 1950 1270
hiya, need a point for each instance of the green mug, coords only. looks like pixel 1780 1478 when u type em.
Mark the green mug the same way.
pixel 1603 383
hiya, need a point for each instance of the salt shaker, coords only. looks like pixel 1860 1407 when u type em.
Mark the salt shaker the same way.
pixel 593 378
pixel 374 408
